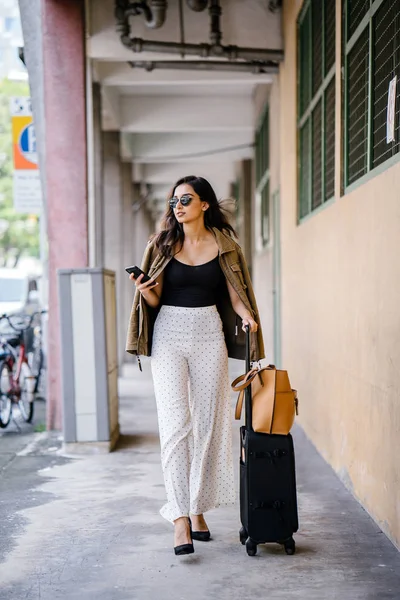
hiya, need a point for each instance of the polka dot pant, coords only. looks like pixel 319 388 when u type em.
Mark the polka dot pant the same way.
pixel 190 372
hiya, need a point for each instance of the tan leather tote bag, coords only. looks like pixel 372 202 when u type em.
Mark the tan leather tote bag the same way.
pixel 274 403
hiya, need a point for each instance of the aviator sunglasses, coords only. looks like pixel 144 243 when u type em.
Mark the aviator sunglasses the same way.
pixel 185 200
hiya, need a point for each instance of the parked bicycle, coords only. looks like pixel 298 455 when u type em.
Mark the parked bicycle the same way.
pixel 17 383
pixel 36 360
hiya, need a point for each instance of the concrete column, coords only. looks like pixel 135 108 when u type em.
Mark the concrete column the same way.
pixel 113 193
pixel 127 253
pixel 138 225
pixel 95 156
pixel 144 226
pixel 65 114
pixel 55 55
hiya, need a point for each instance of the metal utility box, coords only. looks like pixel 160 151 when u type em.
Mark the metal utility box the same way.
pixel 89 357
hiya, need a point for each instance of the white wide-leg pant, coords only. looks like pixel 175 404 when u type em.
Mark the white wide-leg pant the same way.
pixel 190 373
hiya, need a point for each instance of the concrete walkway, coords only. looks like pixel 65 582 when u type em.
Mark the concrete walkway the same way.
pixel 88 528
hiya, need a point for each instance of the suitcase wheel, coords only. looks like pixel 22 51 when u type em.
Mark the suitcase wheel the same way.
pixel 251 547
pixel 290 546
pixel 243 535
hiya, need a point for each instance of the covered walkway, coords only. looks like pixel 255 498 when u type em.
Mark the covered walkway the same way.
pixel 88 528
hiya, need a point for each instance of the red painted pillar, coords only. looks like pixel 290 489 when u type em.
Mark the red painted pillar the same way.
pixel 66 172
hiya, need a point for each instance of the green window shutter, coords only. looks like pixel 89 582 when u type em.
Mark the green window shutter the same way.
pixel 316 107
pixel 372 60
pixel 257 158
pixel 329 140
pixel 386 42
pixel 357 108
pixel 305 61
pixel 316 37
pixel 397 67
pixel 356 11
pixel 266 138
pixel 305 168
pixel 262 162
pixel 330 34
pixel 265 213
pixel 317 156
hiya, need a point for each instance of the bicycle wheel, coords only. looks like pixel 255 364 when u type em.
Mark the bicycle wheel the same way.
pixel 5 400
pixel 26 401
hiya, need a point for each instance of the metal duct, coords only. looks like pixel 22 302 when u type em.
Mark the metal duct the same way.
pixel 203 50
pixel 205 65
pixel 197 5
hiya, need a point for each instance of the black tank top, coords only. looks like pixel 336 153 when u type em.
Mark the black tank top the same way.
pixel 191 286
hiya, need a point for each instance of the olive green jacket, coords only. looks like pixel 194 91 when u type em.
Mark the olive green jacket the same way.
pixel 233 265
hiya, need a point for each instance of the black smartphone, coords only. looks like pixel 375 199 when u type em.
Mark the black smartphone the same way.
pixel 136 272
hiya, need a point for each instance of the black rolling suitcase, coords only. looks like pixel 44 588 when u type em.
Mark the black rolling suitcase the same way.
pixel 268 501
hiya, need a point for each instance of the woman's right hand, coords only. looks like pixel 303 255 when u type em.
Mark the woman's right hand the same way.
pixel 143 287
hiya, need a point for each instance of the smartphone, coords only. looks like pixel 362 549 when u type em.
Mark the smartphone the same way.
pixel 136 272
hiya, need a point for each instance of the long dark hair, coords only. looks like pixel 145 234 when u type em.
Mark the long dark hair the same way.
pixel 172 233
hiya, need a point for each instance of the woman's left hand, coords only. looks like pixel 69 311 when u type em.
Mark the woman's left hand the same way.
pixel 251 323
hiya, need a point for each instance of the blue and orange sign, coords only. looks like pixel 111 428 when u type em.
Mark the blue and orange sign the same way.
pixel 23 135
pixel 27 188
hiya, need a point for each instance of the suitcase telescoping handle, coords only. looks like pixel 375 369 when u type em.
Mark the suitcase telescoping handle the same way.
pixel 247 392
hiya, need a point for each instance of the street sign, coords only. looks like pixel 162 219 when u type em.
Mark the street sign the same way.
pixel 26 177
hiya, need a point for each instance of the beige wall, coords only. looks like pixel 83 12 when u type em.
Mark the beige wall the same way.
pixel 341 315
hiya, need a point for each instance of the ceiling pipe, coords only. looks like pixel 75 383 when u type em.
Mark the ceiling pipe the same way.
pixel 205 65
pixel 124 9
pixel 215 12
pixel 155 14
pixel 197 5
pixel 204 50
pixel 159 12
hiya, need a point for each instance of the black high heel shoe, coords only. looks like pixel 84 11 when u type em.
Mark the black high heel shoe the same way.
pixel 200 536
pixel 185 548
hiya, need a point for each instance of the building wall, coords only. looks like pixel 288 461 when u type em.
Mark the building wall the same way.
pixel 340 313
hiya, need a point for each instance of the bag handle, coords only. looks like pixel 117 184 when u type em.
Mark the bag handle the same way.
pixel 239 406
pixel 247 378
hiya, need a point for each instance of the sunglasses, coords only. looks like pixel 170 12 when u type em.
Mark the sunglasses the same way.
pixel 185 200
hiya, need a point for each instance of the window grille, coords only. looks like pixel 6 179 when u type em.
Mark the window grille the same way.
pixel 262 180
pixel 329 140
pixel 305 168
pixel 316 104
pixel 317 155
pixel 372 59
pixel 357 101
pixel 356 11
pixel 265 214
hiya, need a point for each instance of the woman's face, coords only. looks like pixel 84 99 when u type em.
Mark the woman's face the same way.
pixel 192 211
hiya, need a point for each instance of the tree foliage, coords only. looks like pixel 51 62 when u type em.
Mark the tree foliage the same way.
pixel 19 233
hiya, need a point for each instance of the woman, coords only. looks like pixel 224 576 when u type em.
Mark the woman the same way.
pixel 186 317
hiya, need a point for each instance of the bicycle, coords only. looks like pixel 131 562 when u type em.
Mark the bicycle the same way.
pixel 36 359
pixel 17 384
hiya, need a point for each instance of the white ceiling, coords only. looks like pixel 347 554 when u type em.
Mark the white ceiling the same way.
pixel 175 121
